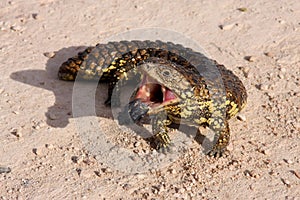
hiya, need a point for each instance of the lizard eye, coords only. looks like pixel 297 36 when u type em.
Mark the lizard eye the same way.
pixel 166 73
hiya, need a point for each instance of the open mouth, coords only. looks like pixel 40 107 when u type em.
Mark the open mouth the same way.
pixel 153 93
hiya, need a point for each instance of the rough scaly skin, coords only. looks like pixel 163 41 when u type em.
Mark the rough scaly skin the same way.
pixel 202 102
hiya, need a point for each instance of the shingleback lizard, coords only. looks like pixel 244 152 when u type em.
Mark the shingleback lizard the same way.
pixel 187 100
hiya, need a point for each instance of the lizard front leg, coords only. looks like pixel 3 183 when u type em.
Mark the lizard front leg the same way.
pixel 160 129
pixel 221 137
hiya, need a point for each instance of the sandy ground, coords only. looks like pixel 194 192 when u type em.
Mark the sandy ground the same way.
pixel 39 137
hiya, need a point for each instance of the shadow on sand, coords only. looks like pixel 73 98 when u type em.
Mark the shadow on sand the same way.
pixel 58 115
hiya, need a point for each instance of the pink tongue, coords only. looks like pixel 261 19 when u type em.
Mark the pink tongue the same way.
pixel 169 95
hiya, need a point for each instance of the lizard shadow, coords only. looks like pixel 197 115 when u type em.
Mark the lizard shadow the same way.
pixel 60 112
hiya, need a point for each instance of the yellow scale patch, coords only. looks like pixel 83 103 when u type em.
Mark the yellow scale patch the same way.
pixel 201 120
pixel 234 110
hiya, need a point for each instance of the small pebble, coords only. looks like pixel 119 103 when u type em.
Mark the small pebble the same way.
pixel 35 15
pixel 181 190
pixel 75 159
pixel 248 173
pixel 297 174
pixel 106 170
pixel 269 119
pixel 172 171
pixel 282 69
pixel 242 9
pixel 288 161
pixel 264 87
pixel 3 198
pixel 227 26
pixel 250 58
pixel 281 21
pixel 49 54
pixel 126 186
pixel 16 132
pixel 146 195
pixel 49 146
pixel 286 182
pixel 78 170
pixel 140 176
pixel 4 169
pixel 272 172
pixel 16 28
pixel 38 125
pixel 266 151
pixel 16 112
pixel 241 117
pixel 263 151
pixel 37 151
pixel 188 188
pixel 2 28
pixel 97 173
pixel 281 76
pixel 41 124
pixel 136 144
pixel 88 161
pixel 269 54
pixel 155 191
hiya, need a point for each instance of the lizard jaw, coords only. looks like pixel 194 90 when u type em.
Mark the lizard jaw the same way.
pixel 153 93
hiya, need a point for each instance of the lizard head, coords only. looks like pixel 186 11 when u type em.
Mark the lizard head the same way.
pixel 161 84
